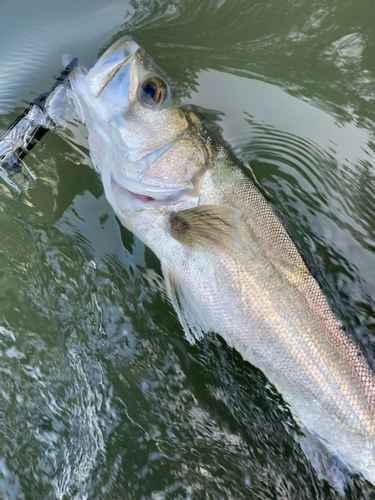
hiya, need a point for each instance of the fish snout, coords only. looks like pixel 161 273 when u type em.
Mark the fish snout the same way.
pixel 115 59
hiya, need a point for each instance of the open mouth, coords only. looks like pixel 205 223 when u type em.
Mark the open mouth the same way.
pixel 142 197
pixel 128 199
pixel 132 194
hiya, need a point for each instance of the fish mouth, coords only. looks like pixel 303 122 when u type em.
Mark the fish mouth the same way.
pixel 114 59
pixel 130 194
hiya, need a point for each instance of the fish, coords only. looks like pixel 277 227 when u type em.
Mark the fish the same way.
pixel 229 264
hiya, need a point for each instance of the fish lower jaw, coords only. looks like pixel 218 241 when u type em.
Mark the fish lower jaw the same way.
pixel 128 200
pixel 139 195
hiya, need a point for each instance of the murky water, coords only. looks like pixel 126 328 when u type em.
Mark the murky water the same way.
pixel 101 395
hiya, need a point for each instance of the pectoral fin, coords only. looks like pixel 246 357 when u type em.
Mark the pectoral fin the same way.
pixel 206 225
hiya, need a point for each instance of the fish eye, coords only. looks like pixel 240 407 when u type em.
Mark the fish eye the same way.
pixel 153 91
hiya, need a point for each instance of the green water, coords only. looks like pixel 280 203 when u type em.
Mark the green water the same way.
pixel 101 396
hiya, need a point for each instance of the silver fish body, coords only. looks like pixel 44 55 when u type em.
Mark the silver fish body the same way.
pixel 229 264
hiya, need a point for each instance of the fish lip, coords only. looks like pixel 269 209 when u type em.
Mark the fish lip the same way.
pixel 114 70
pixel 114 59
pixel 142 189
pixel 99 81
pixel 140 195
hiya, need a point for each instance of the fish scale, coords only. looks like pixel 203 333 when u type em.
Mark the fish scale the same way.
pixel 338 352
pixel 230 265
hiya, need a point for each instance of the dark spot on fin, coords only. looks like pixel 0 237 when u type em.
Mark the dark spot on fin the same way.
pixel 206 225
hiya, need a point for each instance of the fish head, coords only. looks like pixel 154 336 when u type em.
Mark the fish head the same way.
pixel 139 135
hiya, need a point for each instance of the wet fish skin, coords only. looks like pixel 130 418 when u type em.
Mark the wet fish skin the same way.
pixel 229 264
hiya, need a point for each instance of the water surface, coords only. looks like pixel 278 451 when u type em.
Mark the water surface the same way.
pixel 101 395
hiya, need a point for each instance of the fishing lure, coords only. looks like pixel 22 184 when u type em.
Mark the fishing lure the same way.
pixel 28 129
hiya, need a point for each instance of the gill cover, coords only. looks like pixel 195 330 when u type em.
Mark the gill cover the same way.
pixel 137 130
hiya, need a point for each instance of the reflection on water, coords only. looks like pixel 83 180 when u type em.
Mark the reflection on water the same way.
pixel 101 396
pixel 31 53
